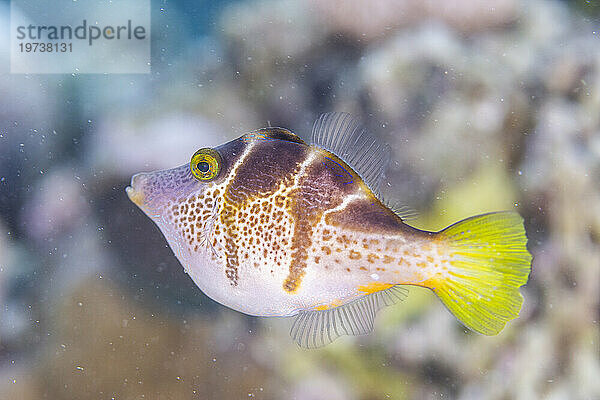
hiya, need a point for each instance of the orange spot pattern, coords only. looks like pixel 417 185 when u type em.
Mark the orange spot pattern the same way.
pixel 374 287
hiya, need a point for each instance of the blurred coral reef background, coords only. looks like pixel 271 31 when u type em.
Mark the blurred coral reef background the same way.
pixel 488 105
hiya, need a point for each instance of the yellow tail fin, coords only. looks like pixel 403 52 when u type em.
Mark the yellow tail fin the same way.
pixel 490 262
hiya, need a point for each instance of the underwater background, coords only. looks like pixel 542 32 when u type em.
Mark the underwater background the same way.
pixel 487 105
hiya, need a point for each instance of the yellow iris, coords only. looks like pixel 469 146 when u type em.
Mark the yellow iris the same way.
pixel 205 164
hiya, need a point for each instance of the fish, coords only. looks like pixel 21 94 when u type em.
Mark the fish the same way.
pixel 272 225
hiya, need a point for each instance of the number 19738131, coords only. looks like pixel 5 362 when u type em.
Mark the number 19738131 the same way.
pixel 35 47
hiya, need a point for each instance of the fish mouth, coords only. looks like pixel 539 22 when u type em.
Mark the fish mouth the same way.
pixel 135 192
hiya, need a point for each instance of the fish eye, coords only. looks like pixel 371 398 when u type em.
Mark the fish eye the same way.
pixel 205 164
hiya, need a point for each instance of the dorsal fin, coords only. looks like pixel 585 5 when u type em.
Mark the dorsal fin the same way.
pixel 317 328
pixel 343 135
pixel 273 133
pixel 403 211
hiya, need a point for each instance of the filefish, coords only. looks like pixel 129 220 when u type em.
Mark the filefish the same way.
pixel 270 225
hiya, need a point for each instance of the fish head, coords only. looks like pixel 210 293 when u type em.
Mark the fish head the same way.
pixel 173 198
pixel 173 195
pixel 195 204
pixel 153 192
pixel 184 201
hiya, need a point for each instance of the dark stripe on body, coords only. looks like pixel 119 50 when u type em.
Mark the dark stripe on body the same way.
pixel 269 163
pixel 367 215
pixel 324 185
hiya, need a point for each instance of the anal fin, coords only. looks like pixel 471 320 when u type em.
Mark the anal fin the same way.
pixel 316 328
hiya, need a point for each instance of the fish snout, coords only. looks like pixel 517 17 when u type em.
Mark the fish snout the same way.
pixel 135 192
